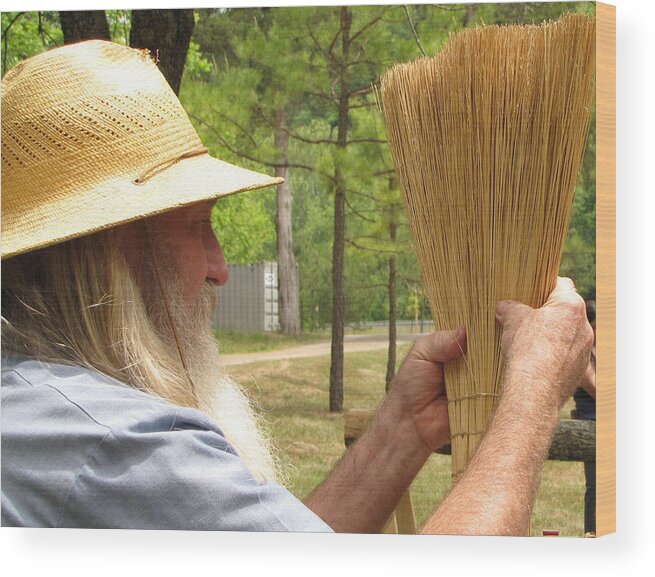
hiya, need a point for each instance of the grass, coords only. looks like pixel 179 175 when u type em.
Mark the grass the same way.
pixel 294 397
pixel 232 342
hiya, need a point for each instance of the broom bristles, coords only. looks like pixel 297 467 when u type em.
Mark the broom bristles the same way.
pixel 487 139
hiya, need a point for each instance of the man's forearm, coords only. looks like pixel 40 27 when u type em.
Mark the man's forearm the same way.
pixel 364 488
pixel 494 495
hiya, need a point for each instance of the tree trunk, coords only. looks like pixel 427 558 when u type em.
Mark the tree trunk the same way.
pixel 166 33
pixel 469 15
pixel 338 249
pixel 422 312
pixel 391 356
pixel 338 295
pixel 79 25
pixel 286 262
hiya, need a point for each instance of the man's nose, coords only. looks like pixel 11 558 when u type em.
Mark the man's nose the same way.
pixel 217 271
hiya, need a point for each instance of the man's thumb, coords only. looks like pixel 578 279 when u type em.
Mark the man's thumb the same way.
pixel 441 346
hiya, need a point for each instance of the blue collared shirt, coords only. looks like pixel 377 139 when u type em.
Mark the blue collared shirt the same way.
pixel 80 449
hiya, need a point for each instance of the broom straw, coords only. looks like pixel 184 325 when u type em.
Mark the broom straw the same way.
pixel 487 139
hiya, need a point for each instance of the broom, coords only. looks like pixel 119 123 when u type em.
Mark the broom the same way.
pixel 487 139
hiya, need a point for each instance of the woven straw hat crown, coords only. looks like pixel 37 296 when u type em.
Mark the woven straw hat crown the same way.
pixel 93 136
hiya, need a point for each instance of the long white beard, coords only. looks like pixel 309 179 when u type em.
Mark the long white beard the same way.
pixel 231 408
pixel 225 401
pixel 218 395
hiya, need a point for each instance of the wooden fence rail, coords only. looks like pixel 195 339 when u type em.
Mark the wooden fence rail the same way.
pixel 575 440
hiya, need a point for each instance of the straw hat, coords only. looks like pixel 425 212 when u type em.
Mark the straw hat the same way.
pixel 92 137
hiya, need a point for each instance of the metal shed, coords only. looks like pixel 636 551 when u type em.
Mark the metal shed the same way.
pixel 250 299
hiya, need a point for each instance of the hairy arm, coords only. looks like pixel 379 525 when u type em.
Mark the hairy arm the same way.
pixel 494 495
pixel 364 488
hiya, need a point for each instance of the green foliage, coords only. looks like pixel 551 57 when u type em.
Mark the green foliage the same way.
pixel 27 33
pixel 244 223
pixel 120 23
pixel 579 263
pixel 244 65
pixel 579 258
pixel 245 228
pixel 196 66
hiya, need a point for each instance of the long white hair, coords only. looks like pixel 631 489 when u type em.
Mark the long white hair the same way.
pixel 78 303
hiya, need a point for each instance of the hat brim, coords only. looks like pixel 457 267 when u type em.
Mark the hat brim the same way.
pixel 120 200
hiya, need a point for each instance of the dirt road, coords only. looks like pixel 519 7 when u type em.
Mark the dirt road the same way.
pixel 352 344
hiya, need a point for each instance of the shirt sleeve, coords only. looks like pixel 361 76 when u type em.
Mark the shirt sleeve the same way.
pixel 184 479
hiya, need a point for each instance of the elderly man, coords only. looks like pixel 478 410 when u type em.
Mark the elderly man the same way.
pixel 115 410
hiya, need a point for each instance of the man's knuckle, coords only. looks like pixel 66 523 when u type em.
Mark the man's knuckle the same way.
pixel 572 310
pixel 421 347
pixel 580 303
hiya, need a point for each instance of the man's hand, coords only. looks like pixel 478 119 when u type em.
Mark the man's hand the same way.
pixel 418 394
pixel 549 346
pixel 546 351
